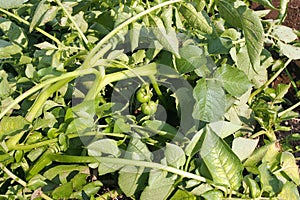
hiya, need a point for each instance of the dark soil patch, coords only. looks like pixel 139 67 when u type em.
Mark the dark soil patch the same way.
pixel 293 17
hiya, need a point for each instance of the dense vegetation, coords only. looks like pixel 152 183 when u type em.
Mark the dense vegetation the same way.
pixel 145 100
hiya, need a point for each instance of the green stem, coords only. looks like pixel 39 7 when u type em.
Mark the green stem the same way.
pixel 73 22
pixel 33 146
pixel 94 51
pixel 54 140
pixel 289 109
pixel 36 28
pixel 44 196
pixel 121 161
pixel 147 70
pixel 292 80
pixel 264 86
pixel 12 175
pixel 44 84
pixel 157 90
pixel 43 96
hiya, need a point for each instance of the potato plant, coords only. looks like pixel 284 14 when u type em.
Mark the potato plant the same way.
pixel 144 100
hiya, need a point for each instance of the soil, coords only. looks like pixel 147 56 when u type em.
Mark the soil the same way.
pixel 293 17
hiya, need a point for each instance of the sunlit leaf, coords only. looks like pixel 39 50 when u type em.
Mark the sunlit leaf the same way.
pixel 12 125
pixel 129 179
pixel 248 21
pixel 174 155
pixel 223 165
pixel 210 101
pixel 243 147
pixel 40 11
pixel 159 185
pixel 104 146
pixel 7 4
pixel 268 180
pixel 289 166
pixel 233 80
pixel 166 37
pixel 198 20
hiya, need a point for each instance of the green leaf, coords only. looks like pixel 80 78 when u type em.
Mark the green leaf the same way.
pixel 135 35
pixel 174 155
pixel 12 125
pixel 79 181
pixel 195 144
pixel 167 38
pixel 128 179
pixel 15 34
pixel 183 195
pixel 106 146
pixel 281 91
pixel 7 49
pixel 213 195
pixel 89 190
pixel 224 128
pixel 233 80
pixel 256 157
pixel 243 147
pixel 219 45
pixel 137 150
pixel 257 77
pixel 7 4
pixel 253 186
pixel 289 166
pixel 80 21
pixel 36 182
pixel 167 17
pixel 192 57
pixel 159 185
pixel 5 89
pixel 268 180
pixel 249 22
pixel 105 168
pixel 229 13
pixel 63 171
pixel 289 50
pixel 210 101
pixel 223 165
pixel 39 12
pixel 201 189
pixel 289 191
pixel 121 126
pixel 63 191
pixel 198 20
pixel 46 45
pixel 254 35
pixel 284 33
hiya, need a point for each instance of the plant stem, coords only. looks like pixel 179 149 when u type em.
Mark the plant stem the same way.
pixel 264 86
pixel 44 84
pixel 44 196
pixel 289 109
pixel 157 90
pixel 94 51
pixel 85 40
pixel 147 70
pixel 54 140
pixel 36 28
pixel 12 175
pixel 43 96
pixel 121 161
pixel 291 79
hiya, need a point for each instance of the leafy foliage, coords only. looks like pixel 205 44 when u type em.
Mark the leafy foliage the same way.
pixel 77 79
